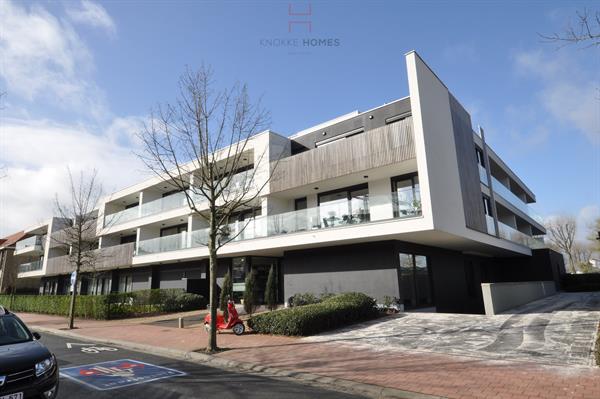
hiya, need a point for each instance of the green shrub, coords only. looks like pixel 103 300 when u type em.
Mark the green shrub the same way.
pixel 334 312
pixel 306 298
pixel 95 307
pixel 114 305
pixel 226 294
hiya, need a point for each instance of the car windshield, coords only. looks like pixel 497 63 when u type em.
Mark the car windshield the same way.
pixel 12 331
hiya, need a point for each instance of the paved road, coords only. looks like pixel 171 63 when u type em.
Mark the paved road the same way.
pixel 197 382
pixel 557 330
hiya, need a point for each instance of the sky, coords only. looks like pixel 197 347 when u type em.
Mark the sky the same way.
pixel 80 76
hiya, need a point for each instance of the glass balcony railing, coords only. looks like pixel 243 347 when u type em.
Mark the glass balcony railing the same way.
pixel 30 266
pixel 178 200
pixel 163 204
pixel 328 215
pixel 483 175
pixel 510 197
pixel 511 234
pixel 491 227
pixel 163 244
pixel 30 242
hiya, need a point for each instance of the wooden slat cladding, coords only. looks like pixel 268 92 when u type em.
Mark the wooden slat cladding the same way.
pixel 467 167
pixel 107 258
pixel 383 146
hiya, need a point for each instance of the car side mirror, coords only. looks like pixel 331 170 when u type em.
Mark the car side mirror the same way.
pixel 36 335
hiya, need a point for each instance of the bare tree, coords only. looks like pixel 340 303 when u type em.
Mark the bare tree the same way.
pixel 80 217
pixel 586 31
pixel 199 145
pixel 594 235
pixel 582 253
pixel 561 233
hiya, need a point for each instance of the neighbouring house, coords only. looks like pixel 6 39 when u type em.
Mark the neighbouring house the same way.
pixel 8 265
pixel 404 200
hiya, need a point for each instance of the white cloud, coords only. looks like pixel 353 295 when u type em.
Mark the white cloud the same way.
pixel 36 154
pixel 94 15
pixel 43 58
pixel 568 93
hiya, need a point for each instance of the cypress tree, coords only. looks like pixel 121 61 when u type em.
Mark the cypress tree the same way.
pixel 271 290
pixel 250 293
pixel 226 293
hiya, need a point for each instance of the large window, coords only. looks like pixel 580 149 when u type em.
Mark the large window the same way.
pixel 344 206
pixel 406 195
pixel 125 282
pixel 415 281
pixel 479 155
pixel 487 206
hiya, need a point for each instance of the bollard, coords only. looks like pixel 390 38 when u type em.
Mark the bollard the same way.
pixel 181 322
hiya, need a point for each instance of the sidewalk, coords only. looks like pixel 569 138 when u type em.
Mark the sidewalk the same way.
pixel 428 373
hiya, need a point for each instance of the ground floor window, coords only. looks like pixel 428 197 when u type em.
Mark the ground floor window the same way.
pixel 415 281
pixel 125 282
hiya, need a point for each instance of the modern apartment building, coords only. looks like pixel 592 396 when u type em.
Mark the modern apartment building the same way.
pixel 405 200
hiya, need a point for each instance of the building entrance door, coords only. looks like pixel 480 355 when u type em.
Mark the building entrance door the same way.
pixel 415 281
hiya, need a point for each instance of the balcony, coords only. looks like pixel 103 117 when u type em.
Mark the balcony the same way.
pixel 170 202
pixel 30 266
pixel 483 175
pixel 30 245
pixel 105 259
pixel 163 244
pixel 330 215
pixel 491 227
pixel 386 145
pixel 501 190
pixel 511 234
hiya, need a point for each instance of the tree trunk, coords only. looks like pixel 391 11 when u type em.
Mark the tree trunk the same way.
pixel 72 305
pixel 212 339
pixel 572 268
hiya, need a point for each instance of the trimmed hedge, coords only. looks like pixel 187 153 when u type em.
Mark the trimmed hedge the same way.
pixel 114 305
pixel 333 312
pixel 86 306
pixel 307 298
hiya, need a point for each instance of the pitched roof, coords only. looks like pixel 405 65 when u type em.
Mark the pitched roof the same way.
pixel 11 239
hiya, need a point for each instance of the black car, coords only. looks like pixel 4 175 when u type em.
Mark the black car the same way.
pixel 27 368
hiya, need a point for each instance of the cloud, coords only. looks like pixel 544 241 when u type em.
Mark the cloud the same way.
pixel 94 15
pixel 43 58
pixel 36 154
pixel 567 92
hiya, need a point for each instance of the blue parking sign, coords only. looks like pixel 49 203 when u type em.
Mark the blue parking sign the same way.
pixel 117 374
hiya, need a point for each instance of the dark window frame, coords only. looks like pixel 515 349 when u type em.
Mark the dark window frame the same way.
pixel 349 189
pixel 407 176
pixel 178 226
pixel 298 200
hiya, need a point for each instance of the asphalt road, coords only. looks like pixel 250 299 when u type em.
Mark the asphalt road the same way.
pixel 134 370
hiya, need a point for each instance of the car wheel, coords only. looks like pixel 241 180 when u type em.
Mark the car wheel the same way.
pixel 239 329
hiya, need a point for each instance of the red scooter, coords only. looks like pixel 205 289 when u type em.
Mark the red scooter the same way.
pixel 233 322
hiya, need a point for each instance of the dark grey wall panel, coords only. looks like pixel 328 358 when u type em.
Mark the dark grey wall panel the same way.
pixel 368 268
pixel 379 115
pixel 467 167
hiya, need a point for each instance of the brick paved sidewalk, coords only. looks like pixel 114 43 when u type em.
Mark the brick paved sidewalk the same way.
pixel 434 374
